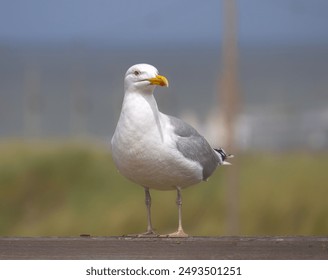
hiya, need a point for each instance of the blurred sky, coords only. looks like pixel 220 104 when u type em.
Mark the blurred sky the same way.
pixel 151 22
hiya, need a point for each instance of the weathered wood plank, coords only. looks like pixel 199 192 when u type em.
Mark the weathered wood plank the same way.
pixel 164 248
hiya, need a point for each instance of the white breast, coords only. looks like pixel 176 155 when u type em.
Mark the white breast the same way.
pixel 144 149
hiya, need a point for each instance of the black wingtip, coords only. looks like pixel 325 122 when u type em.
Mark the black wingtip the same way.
pixel 223 154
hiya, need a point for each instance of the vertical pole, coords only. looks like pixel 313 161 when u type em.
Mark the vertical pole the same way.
pixel 32 101
pixel 230 106
pixel 79 103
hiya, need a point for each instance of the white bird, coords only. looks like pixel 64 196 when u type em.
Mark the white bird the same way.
pixel 155 150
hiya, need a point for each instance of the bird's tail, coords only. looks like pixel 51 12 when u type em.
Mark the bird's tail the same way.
pixel 223 156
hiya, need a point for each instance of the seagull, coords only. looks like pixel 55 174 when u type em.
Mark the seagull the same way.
pixel 155 150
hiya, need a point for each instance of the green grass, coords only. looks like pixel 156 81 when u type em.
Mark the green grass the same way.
pixel 68 189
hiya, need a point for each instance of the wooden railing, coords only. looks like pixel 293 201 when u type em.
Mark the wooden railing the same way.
pixel 88 247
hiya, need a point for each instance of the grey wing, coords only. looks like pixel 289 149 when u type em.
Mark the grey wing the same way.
pixel 194 146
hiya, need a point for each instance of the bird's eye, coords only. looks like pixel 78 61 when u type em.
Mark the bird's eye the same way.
pixel 137 73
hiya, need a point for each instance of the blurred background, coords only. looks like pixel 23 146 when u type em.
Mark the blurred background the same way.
pixel 251 76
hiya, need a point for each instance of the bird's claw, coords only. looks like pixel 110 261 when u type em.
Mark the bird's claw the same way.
pixel 180 234
pixel 149 233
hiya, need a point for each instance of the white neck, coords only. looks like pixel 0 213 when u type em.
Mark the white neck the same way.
pixel 140 112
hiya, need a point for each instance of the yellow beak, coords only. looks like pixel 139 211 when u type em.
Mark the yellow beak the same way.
pixel 159 81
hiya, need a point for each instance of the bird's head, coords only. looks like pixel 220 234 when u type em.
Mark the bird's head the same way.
pixel 143 78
